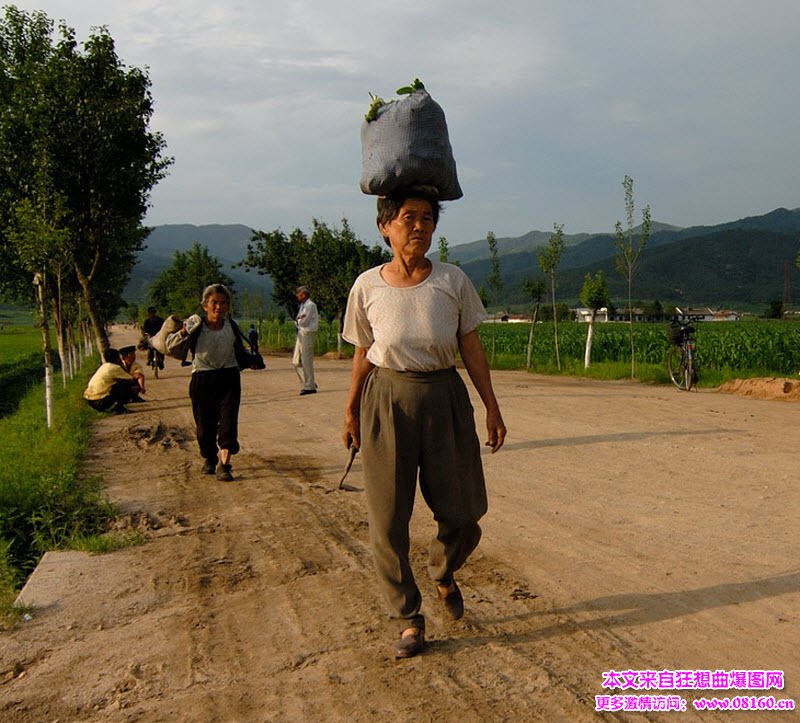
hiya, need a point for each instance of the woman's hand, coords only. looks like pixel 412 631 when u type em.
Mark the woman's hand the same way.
pixel 352 421
pixel 474 358
pixel 352 429
pixel 496 429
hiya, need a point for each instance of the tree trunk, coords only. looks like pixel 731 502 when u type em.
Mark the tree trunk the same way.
pixel 587 357
pixel 529 349
pixel 555 320
pixel 339 327
pixel 62 351
pixel 41 297
pixel 101 338
pixel 630 321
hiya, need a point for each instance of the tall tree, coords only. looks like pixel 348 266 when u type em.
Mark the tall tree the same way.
pixel 279 256
pixel 179 287
pixel 328 262
pixel 77 120
pixel 495 278
pixel 628 252
pixel 444 250
pixel 594 296
pixel 494 282
pixel 534 289
pixel 549 257
pixel 335 258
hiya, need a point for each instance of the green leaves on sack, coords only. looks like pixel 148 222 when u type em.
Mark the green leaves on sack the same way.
pixel 378 102
pixel 409 89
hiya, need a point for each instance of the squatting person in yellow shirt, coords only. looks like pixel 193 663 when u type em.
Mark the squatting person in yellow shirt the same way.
pixel 111 386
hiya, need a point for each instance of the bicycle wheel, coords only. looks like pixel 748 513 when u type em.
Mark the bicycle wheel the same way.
pixel 679 366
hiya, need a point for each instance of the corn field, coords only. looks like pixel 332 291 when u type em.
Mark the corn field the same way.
pixel 764 347
pixel 751 347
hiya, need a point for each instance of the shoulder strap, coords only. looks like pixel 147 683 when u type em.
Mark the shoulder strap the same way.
pixel 237 331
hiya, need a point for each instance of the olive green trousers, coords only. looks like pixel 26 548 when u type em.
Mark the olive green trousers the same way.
pixel 419 424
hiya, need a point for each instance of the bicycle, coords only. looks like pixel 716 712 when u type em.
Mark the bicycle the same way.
pixel 680 356
pixel 155 359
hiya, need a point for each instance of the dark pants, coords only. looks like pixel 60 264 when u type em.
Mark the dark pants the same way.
pixel 215 399
pixel 122 391
pixel 419 424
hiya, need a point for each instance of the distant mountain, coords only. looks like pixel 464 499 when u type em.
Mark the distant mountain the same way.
pixel 737 263
pixel 227 242
pixel 223 241
pixel 475 250
pixel 756 248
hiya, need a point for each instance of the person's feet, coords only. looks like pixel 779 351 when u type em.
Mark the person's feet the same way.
pixel 451 598
pixel 411 643
pixel 210 466
pixel 303 392
pixel 224 472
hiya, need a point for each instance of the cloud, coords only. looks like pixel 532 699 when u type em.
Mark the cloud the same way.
pixel 548 105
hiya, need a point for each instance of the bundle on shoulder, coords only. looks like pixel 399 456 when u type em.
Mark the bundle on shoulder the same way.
pixel 405 143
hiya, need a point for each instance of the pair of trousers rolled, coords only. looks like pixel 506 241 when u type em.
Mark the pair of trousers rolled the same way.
pixel 419 425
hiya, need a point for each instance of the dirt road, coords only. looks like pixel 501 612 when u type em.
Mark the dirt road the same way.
pixel 631 528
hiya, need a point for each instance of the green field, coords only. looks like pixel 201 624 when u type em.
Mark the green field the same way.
pixel 21 364
pixel 724 350
pixel 749 347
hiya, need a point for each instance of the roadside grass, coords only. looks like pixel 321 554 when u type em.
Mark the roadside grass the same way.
pixel 45 503
pixel 21 364
pixel 107 541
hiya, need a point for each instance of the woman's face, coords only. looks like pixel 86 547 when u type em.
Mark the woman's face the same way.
pixel 216 307
pixel 411 231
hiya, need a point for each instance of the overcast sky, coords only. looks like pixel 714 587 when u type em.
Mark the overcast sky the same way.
pixel 549 105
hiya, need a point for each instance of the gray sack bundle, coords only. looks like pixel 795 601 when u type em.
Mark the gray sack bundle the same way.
pixel 407 145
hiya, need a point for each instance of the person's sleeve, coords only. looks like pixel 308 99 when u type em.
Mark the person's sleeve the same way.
pixel 177 345
pixel 472 312
pixel 357 329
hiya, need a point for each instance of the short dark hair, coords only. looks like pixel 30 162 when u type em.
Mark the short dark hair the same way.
pixel 111 356
pixel 389 206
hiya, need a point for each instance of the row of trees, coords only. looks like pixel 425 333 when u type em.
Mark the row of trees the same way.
pixel 594 294
pixel 77 163
pixel 327 260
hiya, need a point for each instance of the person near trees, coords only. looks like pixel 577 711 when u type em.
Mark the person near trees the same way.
pixel 307 322
pixel 111 386
pixel 151 326
pixel 408 409
pixel 127 355
pixel 252 338
pixel 215 387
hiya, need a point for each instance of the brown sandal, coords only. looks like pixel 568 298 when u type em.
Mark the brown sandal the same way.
pixel 453 600
pixel 410 645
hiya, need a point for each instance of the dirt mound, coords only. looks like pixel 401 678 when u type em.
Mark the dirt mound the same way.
pixel 764 388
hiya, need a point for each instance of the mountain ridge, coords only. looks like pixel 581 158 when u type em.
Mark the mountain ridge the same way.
pixel 583 253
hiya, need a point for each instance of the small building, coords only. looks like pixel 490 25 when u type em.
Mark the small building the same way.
pixel 624 315
pixel 584 315
pixel 704 313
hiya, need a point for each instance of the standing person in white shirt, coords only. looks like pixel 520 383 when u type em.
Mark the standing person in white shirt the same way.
pixel 307 323
pixel 409 411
